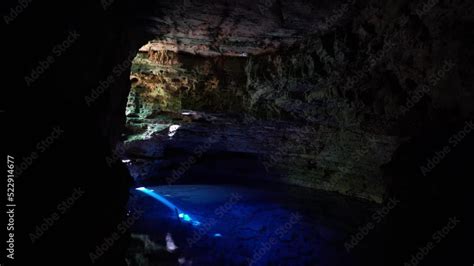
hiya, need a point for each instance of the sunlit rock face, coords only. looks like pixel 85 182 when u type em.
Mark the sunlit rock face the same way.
pixel 167 81
pixel 360 76
pixel 325 154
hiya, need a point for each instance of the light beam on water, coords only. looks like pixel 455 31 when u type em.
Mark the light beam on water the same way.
pixel 181 215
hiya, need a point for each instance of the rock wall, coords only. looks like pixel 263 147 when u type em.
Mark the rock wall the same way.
pixel 368 78
pixel 167 81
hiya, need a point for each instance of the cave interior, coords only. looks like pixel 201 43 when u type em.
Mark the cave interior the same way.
pixel 241 132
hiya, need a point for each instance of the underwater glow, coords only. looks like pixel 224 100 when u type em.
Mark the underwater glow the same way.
pixel 185 217
pixel 181 215
pixel 157 196
pixel 217 235
pixel 170 245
